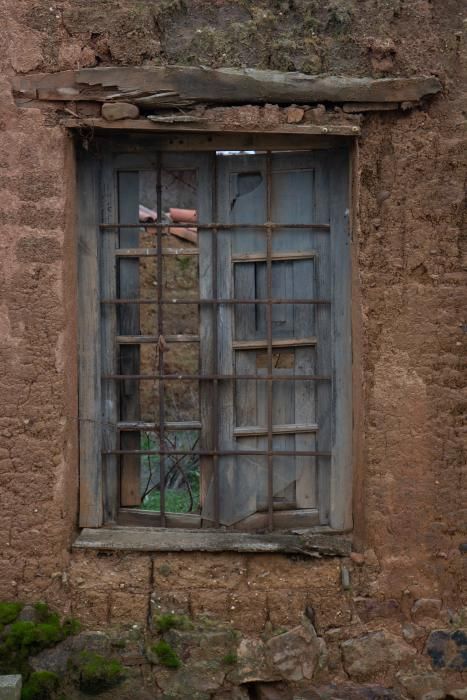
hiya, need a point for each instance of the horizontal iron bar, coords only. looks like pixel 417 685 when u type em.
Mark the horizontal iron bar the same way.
pixel 153 252
pixel 218 227
pixel 222 453
pixel 138 300
pixel 168 425
pixel 286 429
pixel 214 377
pixel 140 339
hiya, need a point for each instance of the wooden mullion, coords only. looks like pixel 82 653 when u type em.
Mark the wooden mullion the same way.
pixel 90 470
pixel 129 324
pixel 110 392
pixel 340 516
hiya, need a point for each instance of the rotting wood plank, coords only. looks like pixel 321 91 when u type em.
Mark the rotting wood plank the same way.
pixel 144 125
pixel 175 85
pixel 136 143
pixel 147 539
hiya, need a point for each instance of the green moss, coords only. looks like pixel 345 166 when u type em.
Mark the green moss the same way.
pixel 166 655
pixel 39 686
pixel 9 612
pixel 230 658
pixel 95 673
pixel 71 626
pixel 42 610
pixel 21 639
pixel 169 621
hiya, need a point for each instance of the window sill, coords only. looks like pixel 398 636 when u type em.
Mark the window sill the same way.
pixel 311 542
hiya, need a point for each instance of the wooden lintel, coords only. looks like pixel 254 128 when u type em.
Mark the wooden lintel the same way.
pixel 183 85
pixel 148 539
pixel 144 125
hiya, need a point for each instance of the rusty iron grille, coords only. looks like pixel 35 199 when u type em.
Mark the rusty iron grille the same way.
pixel 213 378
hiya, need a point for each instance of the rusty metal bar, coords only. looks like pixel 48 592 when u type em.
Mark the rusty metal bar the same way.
pixel 212 377
pixel 215 340
pixel 217 226
pixel 152 339
pixel 160 330
pixel 270 490
pixel 227 453
pixel 144 426
pixel 153 252
pixel 279 300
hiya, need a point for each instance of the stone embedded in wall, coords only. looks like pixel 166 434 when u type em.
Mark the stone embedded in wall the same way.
pixel 294 114
pixel 295 654
pixel 374 653
pixel 448 649
pixel 419 683
pixel 458 694
pixel 412 633
pixel 113 111
pixel 252 663
pixel 424 608
pixel 316 115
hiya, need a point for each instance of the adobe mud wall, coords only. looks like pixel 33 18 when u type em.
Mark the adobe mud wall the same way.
pixel 409 328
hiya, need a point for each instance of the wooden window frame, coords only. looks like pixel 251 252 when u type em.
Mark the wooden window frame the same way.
pixel 99 493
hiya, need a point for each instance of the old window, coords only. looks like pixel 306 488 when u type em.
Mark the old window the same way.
pixel 215 337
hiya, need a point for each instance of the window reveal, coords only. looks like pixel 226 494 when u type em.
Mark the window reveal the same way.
pixel 221 307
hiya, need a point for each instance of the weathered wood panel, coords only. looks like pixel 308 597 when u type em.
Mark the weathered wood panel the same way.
pixel 177 85
pixel 164 540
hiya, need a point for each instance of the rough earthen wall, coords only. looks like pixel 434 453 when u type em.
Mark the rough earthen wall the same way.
pixel 410 482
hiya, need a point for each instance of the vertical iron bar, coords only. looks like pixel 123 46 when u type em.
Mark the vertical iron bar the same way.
pixel 160 330
pixel 269 333
pixel 215 340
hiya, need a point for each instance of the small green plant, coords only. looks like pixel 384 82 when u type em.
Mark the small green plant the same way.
pixel 40 685
pixel 96 673
pixel 184 263
pixel 230 658
pixel 9 612
pixel 170 621
pixel 166 655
